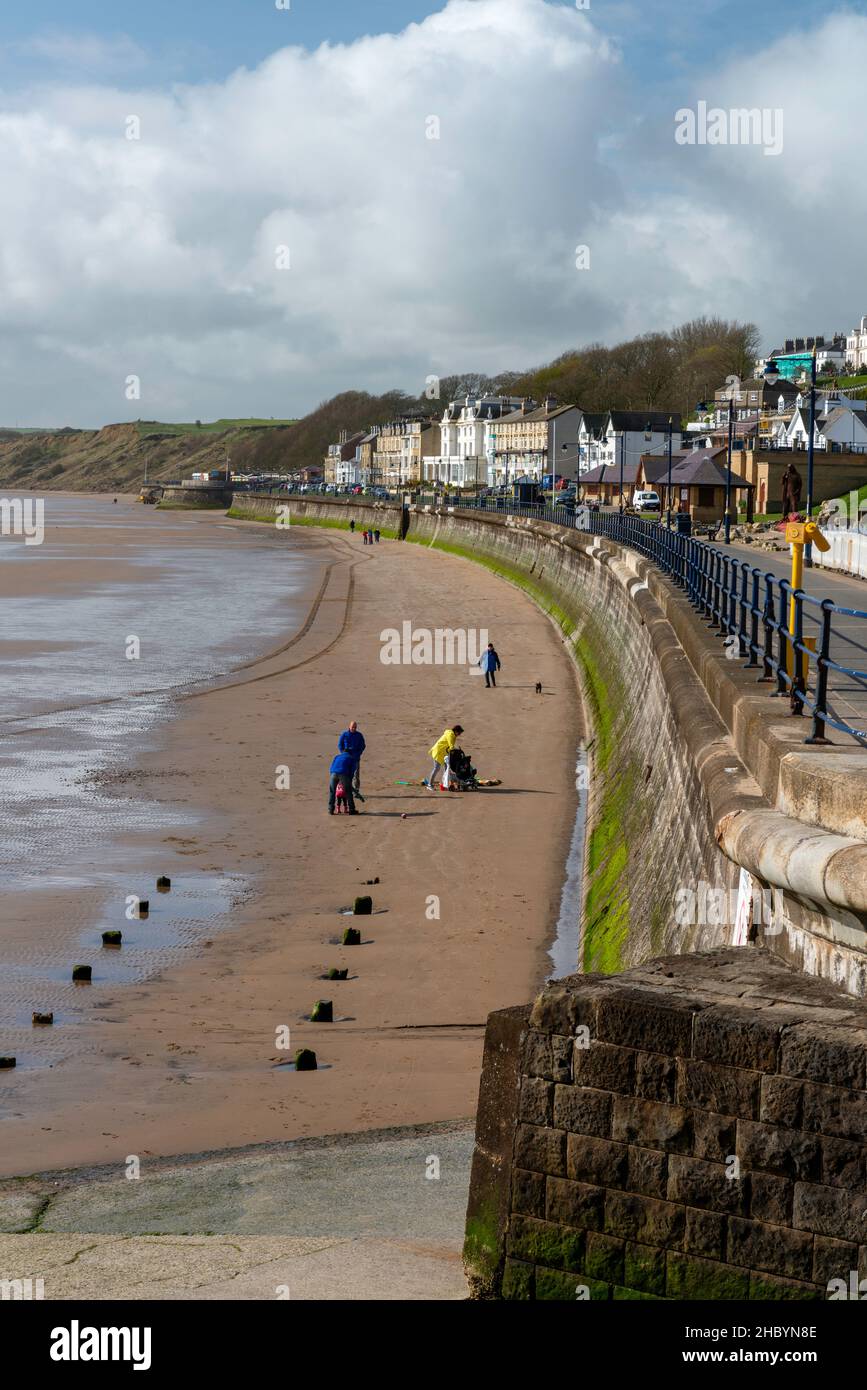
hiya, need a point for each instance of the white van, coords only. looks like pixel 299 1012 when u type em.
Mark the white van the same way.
pixel 647 502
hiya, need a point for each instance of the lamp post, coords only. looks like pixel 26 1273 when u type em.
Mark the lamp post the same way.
pixel 808 548
pixel 727 521
pixel 622 449
pixel 648 438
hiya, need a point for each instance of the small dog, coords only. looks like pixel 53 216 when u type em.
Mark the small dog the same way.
pixel 538 687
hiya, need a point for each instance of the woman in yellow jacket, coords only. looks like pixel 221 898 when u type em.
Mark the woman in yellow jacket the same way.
pixel 440 752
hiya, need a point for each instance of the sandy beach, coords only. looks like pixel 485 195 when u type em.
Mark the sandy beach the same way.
pixel 189 1060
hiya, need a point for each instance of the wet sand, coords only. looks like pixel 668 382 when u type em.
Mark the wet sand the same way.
pixel 189 1060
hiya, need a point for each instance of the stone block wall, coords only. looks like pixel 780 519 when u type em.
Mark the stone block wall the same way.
pixel 695 1128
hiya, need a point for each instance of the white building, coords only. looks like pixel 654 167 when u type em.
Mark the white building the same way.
pixel 631 433
pixel 841 427
pixel 856 346
pixel 467 443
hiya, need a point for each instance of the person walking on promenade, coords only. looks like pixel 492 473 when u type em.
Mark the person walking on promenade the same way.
pixel 490 664
pixel 342 770
pixel 376 537
pixel 352 741
pixel 352 525
pixel 440 751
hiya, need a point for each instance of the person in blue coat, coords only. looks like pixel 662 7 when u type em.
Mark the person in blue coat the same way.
pixel 490 664
pixel 342 770
pixel 352 741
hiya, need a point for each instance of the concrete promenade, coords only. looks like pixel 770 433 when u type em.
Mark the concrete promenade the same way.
pixel 351 1217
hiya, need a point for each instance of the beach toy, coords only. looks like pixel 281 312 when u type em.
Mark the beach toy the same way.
pixel 82 972
pixel 323 1011
pixel 305 1060
pixel 112 938
pixel 362 907
pixel 42 1020
pixel 352 937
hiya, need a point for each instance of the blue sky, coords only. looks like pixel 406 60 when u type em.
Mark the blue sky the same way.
pixel 200 198
pixel 204 40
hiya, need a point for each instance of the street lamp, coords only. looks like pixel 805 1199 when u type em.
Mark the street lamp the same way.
pixel 727 520
pixel 808 548
pixel 648 436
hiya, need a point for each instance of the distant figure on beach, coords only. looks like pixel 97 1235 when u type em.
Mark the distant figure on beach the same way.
pixel 440 751
pixel 364 533
pixel 352 741
pixel 376 537
pixel 352 524
pixel 342 770
pixel 490 664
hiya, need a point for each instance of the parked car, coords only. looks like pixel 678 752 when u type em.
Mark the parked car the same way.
pixel 645 501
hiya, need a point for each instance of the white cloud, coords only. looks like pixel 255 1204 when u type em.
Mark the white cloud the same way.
pixel 408 255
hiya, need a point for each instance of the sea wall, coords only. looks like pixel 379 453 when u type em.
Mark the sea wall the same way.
pixel 690 1129
pixel 696 773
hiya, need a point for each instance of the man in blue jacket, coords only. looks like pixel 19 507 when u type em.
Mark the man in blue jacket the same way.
pixel 490 664
pixel 342 769
pixel 352 741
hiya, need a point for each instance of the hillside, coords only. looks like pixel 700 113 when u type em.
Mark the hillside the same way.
pixel 657 370
pixel 114 458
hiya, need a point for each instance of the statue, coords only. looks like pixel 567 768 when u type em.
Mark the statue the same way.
pixel 791 482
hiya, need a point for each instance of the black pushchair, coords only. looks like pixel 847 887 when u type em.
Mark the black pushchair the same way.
pixel 462 774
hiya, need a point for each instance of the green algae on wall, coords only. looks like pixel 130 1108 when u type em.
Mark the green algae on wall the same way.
pixel 605 926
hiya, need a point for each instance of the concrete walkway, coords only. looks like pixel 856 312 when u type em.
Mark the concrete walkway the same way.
pixel 351 1217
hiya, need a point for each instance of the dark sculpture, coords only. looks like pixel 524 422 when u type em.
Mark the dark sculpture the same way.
pixel 791 490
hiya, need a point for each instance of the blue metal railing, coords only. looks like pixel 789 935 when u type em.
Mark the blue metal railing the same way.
pixel 814 654
pixel 802 651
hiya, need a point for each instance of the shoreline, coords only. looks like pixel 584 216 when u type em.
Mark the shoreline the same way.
pixel 186 1062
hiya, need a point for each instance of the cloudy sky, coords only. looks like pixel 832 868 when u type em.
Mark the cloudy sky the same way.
pixel 248 206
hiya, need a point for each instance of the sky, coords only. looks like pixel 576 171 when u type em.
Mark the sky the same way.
pixel 241 207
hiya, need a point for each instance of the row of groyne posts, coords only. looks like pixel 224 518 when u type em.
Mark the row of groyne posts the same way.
pixel 82 973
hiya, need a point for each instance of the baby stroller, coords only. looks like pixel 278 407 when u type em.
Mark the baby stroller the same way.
pixel 461 773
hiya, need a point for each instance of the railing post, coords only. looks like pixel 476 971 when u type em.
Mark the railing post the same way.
pixel 768 622
pixel 819 708
pixel 754 616
pixel 800 660
pixel 783 632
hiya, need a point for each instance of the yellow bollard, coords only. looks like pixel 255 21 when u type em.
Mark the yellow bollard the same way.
pixel 798 534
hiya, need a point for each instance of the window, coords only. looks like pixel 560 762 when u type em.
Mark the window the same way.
pixel 706 496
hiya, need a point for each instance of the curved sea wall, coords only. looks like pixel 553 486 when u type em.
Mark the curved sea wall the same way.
pixel 702 792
